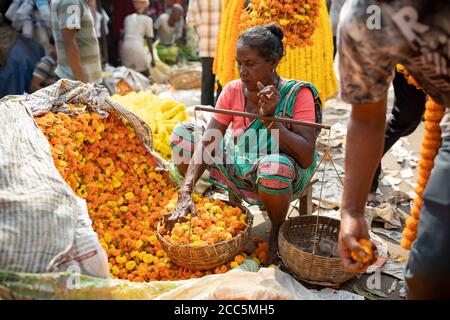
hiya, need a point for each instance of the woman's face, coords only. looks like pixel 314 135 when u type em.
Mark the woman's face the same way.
pixel 140 5
pixel 252 67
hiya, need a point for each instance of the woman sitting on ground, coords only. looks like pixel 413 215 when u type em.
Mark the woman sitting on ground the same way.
pixel 244 167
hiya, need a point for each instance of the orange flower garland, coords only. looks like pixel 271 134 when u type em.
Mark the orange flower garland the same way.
pixel 297 18
pixel 312 61
pixel 103 162
pixel 431 143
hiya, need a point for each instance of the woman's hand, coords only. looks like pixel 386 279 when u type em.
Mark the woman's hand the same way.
pixel 184 206
pixel 269 98
pixel 353 229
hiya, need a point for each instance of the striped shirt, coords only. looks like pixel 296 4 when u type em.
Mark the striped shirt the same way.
pixel 45 69
pixel 204 15
pixel 75 14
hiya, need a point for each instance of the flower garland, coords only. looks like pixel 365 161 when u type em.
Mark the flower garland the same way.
pixel 308 63
pixel 431 143
pixel 297 18
pixel 225 58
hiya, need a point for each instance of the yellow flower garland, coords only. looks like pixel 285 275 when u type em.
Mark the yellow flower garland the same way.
pixel 309 63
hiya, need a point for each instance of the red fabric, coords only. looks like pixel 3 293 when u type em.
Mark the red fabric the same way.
pixel 122 8
pixel 232 98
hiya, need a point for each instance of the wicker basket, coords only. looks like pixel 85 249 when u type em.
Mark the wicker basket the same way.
pixel 299 232
pixel 208 256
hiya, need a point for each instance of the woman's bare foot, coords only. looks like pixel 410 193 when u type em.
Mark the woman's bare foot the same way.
pixel 272 255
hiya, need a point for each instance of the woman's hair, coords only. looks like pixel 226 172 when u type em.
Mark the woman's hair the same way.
pixel 267 39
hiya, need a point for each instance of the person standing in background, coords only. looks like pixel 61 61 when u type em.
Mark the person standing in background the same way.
pixel 335 11
pixel 137 28
pixel 170 26
pixel 76 41
pixel 18 58
pixel 204 16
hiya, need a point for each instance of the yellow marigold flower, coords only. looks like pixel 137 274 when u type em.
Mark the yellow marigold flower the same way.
pixel 144 208
pixel 234 264
pixel 124 209
pixel 100 128
pixel 134 254
pixel 160 253
pixel 139 244
pixel 115 270
pixel 284 22
pixel 129 195
pixel 148 258
pixel 121 259
pixel 153 240
pixel 130 265
pixel 108 237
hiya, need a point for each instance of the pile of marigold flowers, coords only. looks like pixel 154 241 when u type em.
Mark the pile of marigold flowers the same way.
pixel 103 162
pixel 214 222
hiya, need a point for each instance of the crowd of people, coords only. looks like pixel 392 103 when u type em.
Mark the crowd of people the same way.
pixel 415 33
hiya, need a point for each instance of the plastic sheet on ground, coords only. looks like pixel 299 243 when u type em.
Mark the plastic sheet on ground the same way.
pixel 136 81
pixel 331 294
pixel 266 284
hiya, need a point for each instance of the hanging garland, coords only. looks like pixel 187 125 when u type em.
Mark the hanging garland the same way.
pixel 431 142
pixel 225 57
pixel 312 63
pixel 297 18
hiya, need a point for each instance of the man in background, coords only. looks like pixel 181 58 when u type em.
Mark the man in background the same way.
pixel 204 16
pixel 18 58
pixel 170 26
pixel 76 41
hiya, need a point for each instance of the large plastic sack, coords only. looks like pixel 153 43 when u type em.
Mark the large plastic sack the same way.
pixel 72 285
pixel 245 282
pixel 44 226
pixel 135 80
pixel 266 284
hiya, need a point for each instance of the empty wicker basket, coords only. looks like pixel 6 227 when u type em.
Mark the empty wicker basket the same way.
pixel 298 233
pixel 208 256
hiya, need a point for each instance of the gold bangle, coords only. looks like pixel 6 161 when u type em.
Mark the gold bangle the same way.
pixel 270 126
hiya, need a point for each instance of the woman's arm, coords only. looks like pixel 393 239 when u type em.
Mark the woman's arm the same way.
pixel 197 166
pixel 202 152
pixel 299 142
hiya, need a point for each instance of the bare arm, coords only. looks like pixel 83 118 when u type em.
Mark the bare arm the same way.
pixel 365 141
pixel 200 156
pixel 300 143
pixel 364 147
pixel 197 166
pixel 73 53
